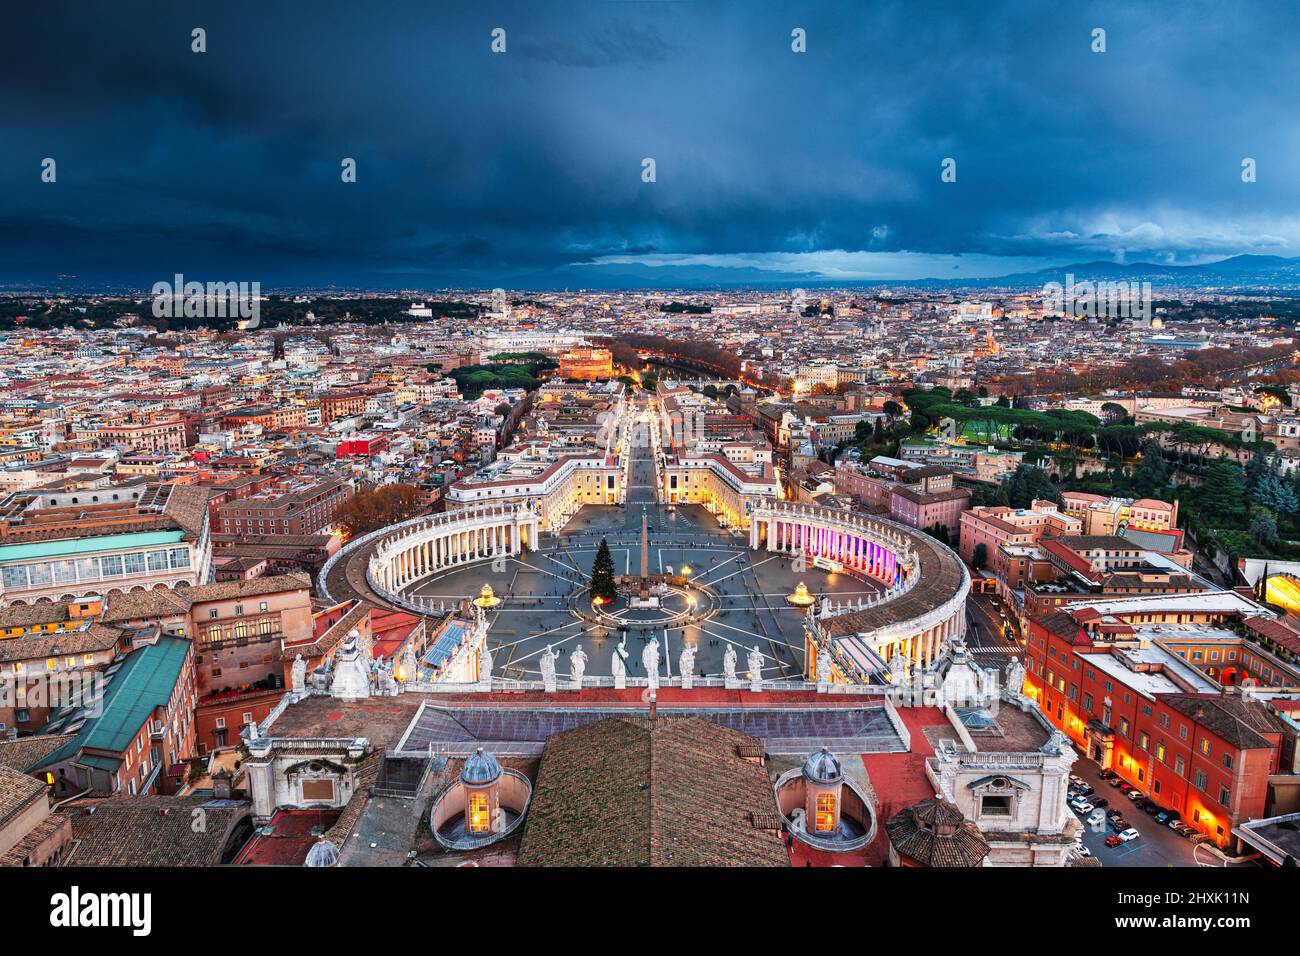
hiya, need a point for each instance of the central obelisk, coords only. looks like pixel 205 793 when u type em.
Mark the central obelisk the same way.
pixel 645 548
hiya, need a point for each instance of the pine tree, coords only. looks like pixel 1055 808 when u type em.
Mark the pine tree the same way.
pixel 1257 469
pixel 1263 526
pixel 602 574
pixel 1222 492
pixel 1152 473
pixel 1274 494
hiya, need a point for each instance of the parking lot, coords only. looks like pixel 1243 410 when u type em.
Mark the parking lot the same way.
pixel 1157 845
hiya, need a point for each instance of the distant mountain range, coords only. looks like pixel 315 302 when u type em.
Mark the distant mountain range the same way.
pixel 1244 272
pixel 1235 271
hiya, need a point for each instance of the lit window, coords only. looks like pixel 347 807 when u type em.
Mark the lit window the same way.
pixel 825 812
pixel 478 812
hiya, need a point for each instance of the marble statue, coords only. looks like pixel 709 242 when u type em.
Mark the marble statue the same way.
pixel 754 661
pixel 898 669
pixel 299 675
pixel 686 663
pixel 386 680
pixel 618 665
pixel 577 666
pixel 650 660
pixel 1015 676
pixel 410 665
pixel 548 667
pixel 729 663
pixel 824 668
pixel 485 668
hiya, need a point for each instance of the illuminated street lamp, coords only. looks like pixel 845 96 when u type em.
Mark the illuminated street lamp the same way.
pixel 486 599
pixel 800 597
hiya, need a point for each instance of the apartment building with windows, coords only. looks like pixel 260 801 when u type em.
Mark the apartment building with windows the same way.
pixel 62 550
pixel 295 506
pixel 136 736
pixel 1128 691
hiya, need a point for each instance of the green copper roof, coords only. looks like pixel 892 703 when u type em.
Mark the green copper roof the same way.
pixel 66 546
pixel 145 680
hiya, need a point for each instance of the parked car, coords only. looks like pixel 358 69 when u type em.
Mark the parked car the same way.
pixel 1109 775
pixel 1135 794
pixel 1125 786
pixel 1096 818
pixel 1100 802
pixel 1079 805
pixel 1184 830
pixel 1119 824
pixel 1127 834
pixel 1113 813
pixel 1082 850
pixel 1077 780
pixel 1113 840
pixel 1174 818
pixel 1085 790
pixel 1162 816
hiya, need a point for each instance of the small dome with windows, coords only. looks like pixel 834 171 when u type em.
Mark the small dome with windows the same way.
pixel 324 853
pixel 823 767
pixel 481 768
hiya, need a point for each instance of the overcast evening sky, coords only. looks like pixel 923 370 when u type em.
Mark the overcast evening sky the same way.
pixel 524 169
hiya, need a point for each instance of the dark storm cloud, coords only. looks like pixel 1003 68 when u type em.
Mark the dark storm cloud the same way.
pixel 524 168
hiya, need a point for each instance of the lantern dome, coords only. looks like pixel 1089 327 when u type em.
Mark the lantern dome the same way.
pixel 324 853
pixel 481 768
pixel 823 767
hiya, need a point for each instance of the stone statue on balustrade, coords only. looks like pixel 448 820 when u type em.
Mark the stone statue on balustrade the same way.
pixel 548 668
pixel 298 675
pixel 485 668
pixel 410 664
pixel 898 670
pixel 650 660
pixel 577 666
pixel 385 679
pixel 618 666
pixel 754 660
pixel 686 666
pixel 824 667
pixel 729 666
pixel 1015 677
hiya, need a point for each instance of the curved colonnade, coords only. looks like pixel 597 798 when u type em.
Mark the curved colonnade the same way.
pixel 922 609
pixel 448 540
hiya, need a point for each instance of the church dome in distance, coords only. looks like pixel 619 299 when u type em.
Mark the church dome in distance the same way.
pixel 823 767
pixel 480 768
pixel 324 853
